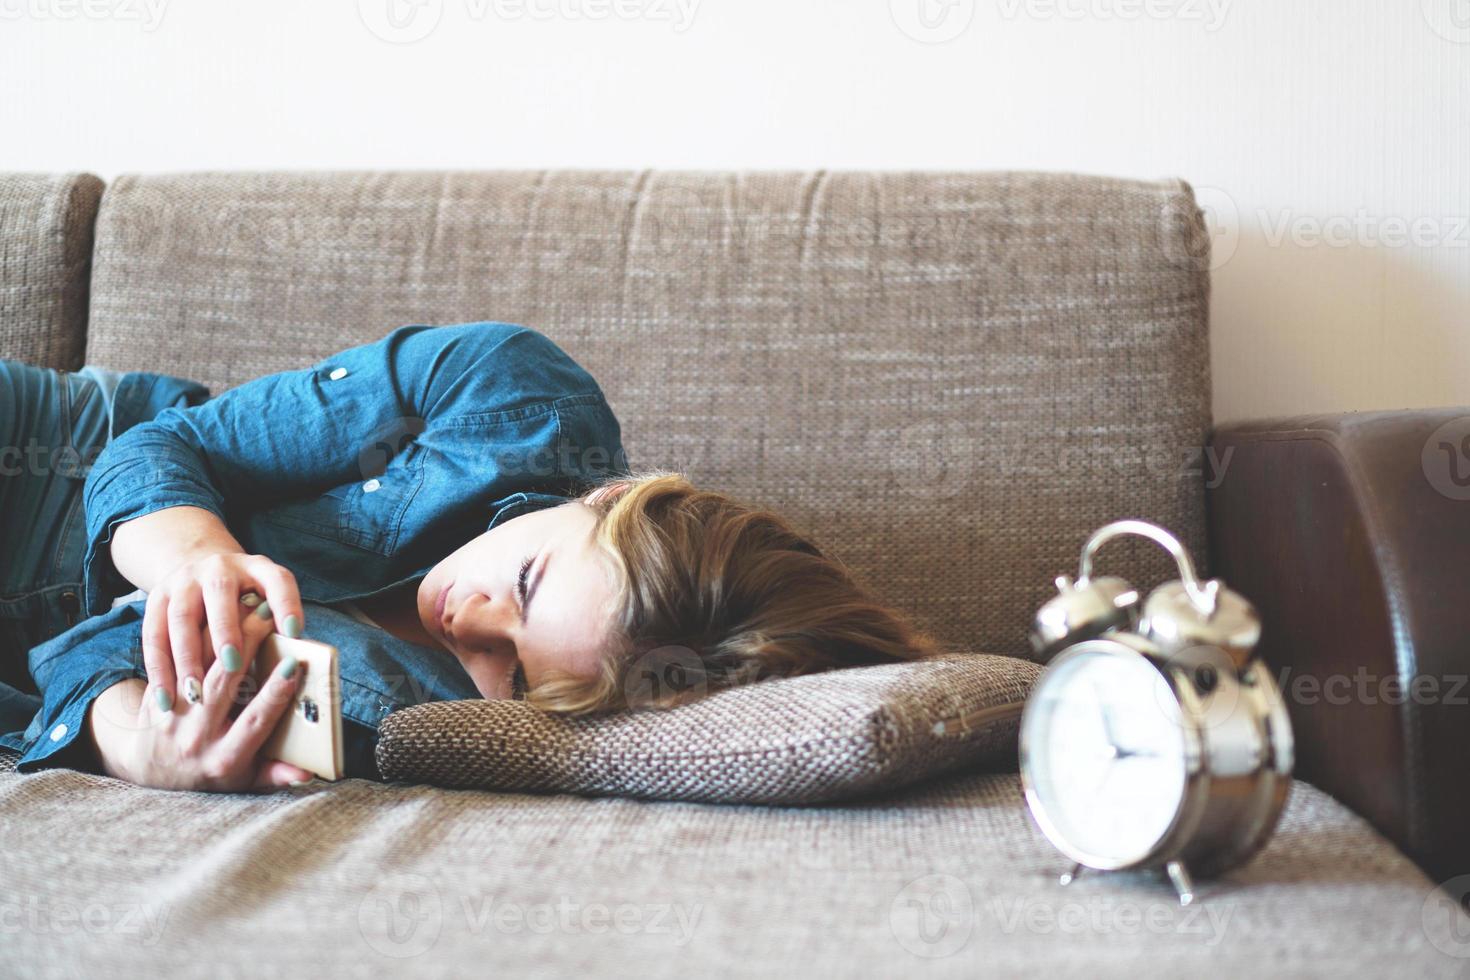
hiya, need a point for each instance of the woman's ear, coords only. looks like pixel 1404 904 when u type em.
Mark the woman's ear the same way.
pixel 607 493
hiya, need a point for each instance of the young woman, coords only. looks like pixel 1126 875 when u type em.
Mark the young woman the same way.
pixel 451 507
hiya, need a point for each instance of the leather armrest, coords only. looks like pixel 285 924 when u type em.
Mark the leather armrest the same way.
pixel 1351 535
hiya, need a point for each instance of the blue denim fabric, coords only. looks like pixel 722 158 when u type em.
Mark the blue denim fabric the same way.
pixel 53 425
pixel 358 473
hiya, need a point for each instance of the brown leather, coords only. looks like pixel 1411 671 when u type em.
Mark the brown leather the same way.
pixel 1349 535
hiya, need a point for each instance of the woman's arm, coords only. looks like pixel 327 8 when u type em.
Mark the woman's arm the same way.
pixel 146 549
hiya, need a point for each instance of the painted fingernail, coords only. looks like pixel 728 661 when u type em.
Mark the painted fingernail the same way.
pixel 263 610
pixel 230 657
pixel 164 697
pixel 250 599
pixel 193 693
pixel 288 667
pixel 293 626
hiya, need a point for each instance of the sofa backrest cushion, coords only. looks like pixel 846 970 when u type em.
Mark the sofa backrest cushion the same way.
pixel 948 379
pixel 46 223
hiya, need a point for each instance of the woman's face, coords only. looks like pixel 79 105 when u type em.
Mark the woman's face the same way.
pixel 565 621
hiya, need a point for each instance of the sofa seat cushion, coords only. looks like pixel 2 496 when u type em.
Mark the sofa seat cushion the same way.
pixel 103 878
pixel 826 736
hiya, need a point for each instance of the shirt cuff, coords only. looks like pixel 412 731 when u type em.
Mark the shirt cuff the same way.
pixel 52 737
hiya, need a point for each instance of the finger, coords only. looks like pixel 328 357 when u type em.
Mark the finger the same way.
pixel 158 656
pixel 222 609
pixel 258 718
pixel 273 774
pixel 184 625
pixel 284 597
pixel 230 682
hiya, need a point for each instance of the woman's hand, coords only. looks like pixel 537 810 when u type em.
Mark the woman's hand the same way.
pixel 199 746
pixel 200 599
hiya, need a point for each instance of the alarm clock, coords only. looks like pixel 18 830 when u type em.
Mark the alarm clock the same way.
pixel 1154 738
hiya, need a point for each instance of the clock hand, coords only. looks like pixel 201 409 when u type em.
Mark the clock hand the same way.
pixel 1122 753
pixel 1107 717
pixel 1109 733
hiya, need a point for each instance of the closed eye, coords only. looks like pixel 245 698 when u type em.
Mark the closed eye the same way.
pixel 521 582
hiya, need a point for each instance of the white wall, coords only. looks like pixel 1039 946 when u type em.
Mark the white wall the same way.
pixel 1330 138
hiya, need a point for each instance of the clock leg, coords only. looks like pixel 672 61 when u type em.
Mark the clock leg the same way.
pixel 1183 884
pixel 1070 876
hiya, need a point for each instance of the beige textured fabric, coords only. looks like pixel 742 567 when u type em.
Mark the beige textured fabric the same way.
pixel 822 737
pixel 949 379
pixel 952 880
pixel 46 224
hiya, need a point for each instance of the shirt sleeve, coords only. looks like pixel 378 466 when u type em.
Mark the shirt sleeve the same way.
pixel 71 670
pixel 301 432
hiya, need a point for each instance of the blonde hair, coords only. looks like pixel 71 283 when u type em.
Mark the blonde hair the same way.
pixel 709 592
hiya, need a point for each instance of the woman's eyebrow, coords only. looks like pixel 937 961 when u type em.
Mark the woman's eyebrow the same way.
pixel 534 584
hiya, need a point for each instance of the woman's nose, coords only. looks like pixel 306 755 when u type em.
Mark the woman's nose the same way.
pixel 498 614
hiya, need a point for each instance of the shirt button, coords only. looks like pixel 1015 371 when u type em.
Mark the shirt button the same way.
pixel 371 485
pixel 338 374
pixel 59 732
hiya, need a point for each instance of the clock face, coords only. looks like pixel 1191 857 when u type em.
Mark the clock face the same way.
pixel 1105 755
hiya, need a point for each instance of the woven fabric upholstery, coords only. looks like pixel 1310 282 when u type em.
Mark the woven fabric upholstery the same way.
pixel 822 737
pixel 951 879
pixel 46 224
pixel 948 379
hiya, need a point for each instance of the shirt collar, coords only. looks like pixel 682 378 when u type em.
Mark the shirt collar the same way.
pixel 522 503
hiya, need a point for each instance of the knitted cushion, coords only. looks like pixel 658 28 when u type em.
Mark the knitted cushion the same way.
pixel 820 737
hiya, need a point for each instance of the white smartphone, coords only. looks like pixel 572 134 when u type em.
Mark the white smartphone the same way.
pixel 309 734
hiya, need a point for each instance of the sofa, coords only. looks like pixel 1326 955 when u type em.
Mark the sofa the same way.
pixel 948 379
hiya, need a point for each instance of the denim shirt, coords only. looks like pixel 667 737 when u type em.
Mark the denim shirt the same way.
pixel 358 473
